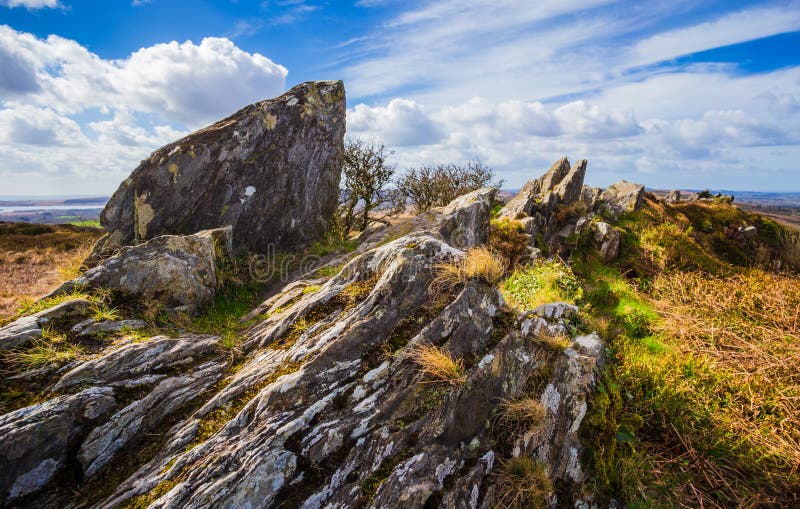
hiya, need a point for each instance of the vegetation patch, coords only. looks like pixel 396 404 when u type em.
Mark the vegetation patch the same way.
pixel 699 401
pixel 546 281
pixel 522 483
pixel 477 264
pixel 438 365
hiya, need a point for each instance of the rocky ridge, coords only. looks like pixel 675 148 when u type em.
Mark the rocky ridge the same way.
pixel 324 402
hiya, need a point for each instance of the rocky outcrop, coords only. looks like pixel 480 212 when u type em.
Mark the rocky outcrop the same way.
pixel 176 270
pixel 623 197
pixel 35 441
pixel 607 239
pixel 28 328
pixel 672 197
pixel 271 170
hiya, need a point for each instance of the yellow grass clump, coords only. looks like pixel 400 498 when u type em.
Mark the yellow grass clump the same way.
pixel 437 364
pixel 478 263
pixel 522 484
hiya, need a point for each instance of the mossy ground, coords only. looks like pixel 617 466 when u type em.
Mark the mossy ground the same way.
pixel 699 404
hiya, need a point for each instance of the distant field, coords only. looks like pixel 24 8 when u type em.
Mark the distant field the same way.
pixel 35 258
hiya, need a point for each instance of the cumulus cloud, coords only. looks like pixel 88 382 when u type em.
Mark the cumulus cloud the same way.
pixel 29 125
pixel 134 104
pixel 400 123
pixel 184 82
pixel 32 4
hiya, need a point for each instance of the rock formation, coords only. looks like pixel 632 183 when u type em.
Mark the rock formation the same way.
pixel 176 270
pixel 271 170
pixel 329 406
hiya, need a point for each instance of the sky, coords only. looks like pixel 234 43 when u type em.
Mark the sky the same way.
pixel 682 94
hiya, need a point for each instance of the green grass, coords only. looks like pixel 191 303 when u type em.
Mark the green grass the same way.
pixel 695 406
pixel 90 223
pixel 546 281
pixel 52 349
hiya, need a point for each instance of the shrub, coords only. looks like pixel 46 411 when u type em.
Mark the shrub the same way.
pixel 547 281
pixel 508 237
pixel 434 186
pixel 437 364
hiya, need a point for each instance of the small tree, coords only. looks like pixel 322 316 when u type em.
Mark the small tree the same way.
pixel 366 173
pixel 434 186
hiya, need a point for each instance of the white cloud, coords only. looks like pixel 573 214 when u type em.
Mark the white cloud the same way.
pixel 400 123
pixel 32 4
pixel 135 104
pixel 28 125
pixel 730 29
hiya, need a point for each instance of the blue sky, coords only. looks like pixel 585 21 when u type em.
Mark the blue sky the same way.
pixel 683 94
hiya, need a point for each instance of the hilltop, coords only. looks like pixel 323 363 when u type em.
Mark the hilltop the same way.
pixel 227 344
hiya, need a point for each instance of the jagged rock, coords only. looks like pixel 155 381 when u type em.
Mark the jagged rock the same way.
pixel 138 359
pixel 271 170
pixel 107 326
pixel 464 222
pixel 570 189
pixel 19 333
pixel 526 202
pixel 27 328
pixel 623 196
pixel 144 415
pixel 539 198
pixel 607 238
pixel 35 441
pixel 556 443
pixel 591 196
pixel 177 270
pixel 673 196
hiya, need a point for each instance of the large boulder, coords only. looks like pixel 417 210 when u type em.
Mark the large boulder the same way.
pixel 176 270
pixel 623 196
pixel 271 170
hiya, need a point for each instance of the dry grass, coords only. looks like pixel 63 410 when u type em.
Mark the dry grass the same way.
pixel 522 484
pixel 478 263
pixel 34 259
pixel 520 415
pixel 437 364
pixel 557 343
pixel 746 328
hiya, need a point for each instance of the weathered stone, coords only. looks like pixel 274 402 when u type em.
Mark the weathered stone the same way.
pixel 623 196
pixel 35 441
pixel 19 333
pixel 591 196
pixel 271 170
pixel 144 415
pixel 673 196
pixel 465 220
pixel 177 270
pixel 28 328
pixel 526 202
pixel 137 359
pixel 607 239
pixel 108 326
pixel 570 189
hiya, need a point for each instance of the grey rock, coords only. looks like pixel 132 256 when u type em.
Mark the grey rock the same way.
pixel 673 196
pixel 570 189
pixel 144 415
pixel 28 328
pixel 177 270
pixel 110 326
pixel 526 202
pixel 607 239
pixel 623 196
pixel 35 441
pixel 19 333
pixel 271 170
pixel 137 359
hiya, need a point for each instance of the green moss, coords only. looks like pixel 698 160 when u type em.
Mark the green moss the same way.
pixel 547 281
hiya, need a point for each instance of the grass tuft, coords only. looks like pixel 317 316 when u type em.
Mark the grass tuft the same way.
pixel 522 484
pixel 478 263
pixel 437 364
